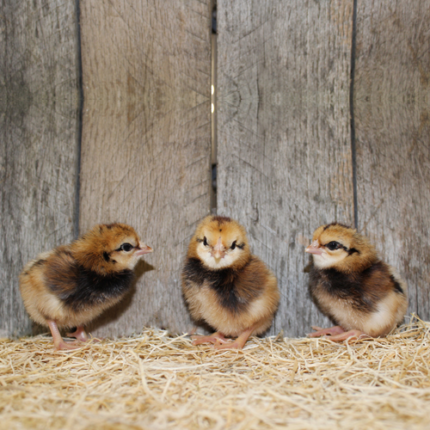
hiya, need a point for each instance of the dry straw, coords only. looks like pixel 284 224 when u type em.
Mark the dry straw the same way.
pixel 157 381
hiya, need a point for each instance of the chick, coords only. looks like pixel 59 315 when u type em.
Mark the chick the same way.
pixel 352 286
pixel 225 286
pixel 73 284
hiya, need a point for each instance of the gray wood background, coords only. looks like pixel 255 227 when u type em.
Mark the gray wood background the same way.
pixel 391 106
pixel 288 159
pixel 39 131
pixel 146 141
pixel 284 148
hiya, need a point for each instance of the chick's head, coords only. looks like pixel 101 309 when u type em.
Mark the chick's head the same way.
pixel 340 247
pixel 220 242
pixel 110 248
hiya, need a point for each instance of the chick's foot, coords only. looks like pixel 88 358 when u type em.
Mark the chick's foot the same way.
pixel 349 335
pixel 59 343
pixel 326 331
pixel 213 338
pixel 239 343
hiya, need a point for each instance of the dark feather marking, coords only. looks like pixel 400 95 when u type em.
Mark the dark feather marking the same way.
pixel 334 224
pixel 39 263
pixel 110 226
pixel 79 288
pixel 61 251
pixel 350 287
pixel 397 288
pixel 224 283
pixel 352 251
pixel 221 219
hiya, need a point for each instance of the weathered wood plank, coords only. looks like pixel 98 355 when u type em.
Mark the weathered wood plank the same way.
pixel 39 102
pixel 391 106
pixel 284 151
pixel 146 141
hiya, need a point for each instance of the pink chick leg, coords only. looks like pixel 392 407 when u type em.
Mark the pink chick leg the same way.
pixel 58 340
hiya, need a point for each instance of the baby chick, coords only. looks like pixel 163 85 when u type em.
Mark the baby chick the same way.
pixel 73 284
pixel 225 286
pixel 352 286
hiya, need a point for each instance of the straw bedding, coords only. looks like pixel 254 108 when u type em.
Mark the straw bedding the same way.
pixel 157 381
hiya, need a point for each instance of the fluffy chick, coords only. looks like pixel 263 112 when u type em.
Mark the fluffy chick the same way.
pixel 73 284
pixel 225 286
pixel 352 286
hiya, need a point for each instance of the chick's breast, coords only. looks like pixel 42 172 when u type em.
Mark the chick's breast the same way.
pixel 231 300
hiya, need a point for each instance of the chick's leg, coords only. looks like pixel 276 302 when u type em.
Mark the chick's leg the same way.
pixel 239 343
pixel 58 340
pixel 213 338
pixel 324 331
pixel 79 334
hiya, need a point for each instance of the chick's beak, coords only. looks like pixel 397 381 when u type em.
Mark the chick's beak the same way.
pixel 219 250
pixel 314 248
pixel 143 249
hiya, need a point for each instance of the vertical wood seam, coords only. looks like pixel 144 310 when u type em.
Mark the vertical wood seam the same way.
pixel 351 110
pixel 214 145
pixel 80 118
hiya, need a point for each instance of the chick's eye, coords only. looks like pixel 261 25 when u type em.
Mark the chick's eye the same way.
pixel 127 247
pixel 205 242
pixel 233 245
pixel 332 246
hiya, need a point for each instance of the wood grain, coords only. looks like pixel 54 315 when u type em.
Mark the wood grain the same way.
pixel 39 102
pixel 146 141
pixel 284 149
pixel 392 105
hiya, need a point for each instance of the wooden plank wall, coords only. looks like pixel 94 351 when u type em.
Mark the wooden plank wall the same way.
pixel 392 130
pixel 286 151
pixel 284 148
pixel 146 141
pixel 39 100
